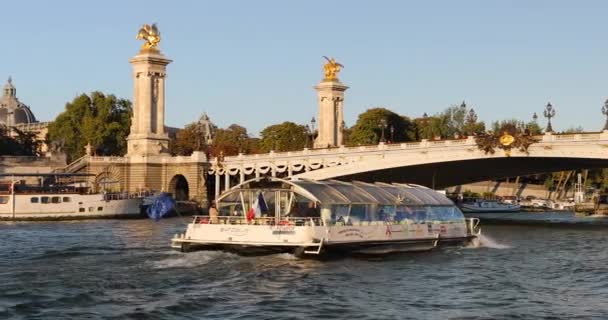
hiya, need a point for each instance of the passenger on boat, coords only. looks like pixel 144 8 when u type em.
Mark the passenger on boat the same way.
pixel 213 213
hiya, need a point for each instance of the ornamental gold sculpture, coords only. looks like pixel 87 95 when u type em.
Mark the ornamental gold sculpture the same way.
pixel 506 139
pixel 331 69
pixel 150 35
pixel 512 138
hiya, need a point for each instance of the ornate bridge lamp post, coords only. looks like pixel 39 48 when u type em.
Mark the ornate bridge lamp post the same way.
pixel 549 113
pixel 471 120
pixel 605 112
pixel 382 125
pixel 424 130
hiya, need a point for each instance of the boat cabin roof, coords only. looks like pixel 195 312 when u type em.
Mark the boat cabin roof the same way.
pixel 340 192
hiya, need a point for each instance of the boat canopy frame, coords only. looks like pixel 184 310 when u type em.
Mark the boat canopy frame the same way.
pixel 334 192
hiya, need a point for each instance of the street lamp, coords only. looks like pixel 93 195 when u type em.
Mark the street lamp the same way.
pixel 425 119
pixel 549 113
pixel 392 134
pixel 382 125
pixel 605 112
pixel 471 120
pixel 534 117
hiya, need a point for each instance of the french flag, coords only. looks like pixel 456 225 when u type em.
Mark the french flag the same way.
pixel 259 205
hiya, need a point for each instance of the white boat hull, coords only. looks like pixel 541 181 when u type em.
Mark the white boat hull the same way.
pixel 374 238
pixel 18 207
pixel 468 208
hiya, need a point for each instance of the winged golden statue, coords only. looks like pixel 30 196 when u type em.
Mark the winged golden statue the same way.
pixel 151 36
pixel 331 69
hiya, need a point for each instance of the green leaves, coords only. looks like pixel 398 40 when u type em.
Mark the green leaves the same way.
pixel 371 123
pixel 102 120
pixel 20 144
pixel 286 136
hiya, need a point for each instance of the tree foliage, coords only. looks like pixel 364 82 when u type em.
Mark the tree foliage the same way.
pixel 186 142
pixel 19 144
pixel 287 136
pixel 231 141
pixel 367 129
pixel 99 119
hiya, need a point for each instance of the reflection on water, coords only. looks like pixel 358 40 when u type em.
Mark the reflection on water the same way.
pixel 125 269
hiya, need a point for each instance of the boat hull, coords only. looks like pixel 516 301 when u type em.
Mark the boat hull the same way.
pixel 50 207
pixel 380 238
pixel 472 208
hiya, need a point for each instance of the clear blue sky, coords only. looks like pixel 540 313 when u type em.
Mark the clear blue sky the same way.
pixel 255 62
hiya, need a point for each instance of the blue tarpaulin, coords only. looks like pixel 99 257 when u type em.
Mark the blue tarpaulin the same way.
pixel 161 207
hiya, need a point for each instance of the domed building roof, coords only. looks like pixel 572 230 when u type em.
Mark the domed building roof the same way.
pixel 12 111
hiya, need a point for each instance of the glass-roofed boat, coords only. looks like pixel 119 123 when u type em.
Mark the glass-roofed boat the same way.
pixel 305 217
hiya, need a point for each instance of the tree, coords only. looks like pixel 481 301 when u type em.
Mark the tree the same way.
pixel 185 141
pixel 368 131
pixel 231 141
pixel 431 127
pixel 460 120
pixel 101 120
pixel 20 144
pixel 286 136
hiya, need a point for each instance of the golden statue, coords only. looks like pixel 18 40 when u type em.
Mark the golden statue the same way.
pixel 506 139
pixel 150 34
pixel 331 68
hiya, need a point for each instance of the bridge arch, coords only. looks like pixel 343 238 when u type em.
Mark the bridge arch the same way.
pixel 179 187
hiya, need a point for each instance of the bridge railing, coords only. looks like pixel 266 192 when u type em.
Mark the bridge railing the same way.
pixel 545 138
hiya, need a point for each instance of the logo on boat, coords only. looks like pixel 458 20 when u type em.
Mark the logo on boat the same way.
pixel 351 232
pixel 238 232
pixel 283 229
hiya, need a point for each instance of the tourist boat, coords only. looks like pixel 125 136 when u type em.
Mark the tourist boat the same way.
pixel 305 217
pixel 58 196
pixel 489 206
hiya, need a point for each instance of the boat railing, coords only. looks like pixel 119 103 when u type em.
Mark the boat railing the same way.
pixel 473 228
pixel 123 195
pixel 270 221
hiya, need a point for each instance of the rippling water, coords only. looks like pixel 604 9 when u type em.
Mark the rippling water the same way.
pixel 125 270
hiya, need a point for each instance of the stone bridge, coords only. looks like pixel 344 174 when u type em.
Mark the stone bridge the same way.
pixel 437 164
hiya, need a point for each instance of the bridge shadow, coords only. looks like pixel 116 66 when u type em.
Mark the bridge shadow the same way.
pixel 451 173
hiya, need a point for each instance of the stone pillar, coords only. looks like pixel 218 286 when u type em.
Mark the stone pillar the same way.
pixel 148 136
pixel 330 95
pixel 217 186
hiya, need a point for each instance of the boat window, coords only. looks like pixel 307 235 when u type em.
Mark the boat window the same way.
pixel 67 199
pixel 386 213
pixel 303 207
pixel 358 213
pixel 99 208
pixel 339 214
pixel 445 214
pixel 34 199
pixel 3 200
pixel 44 200
pixel 81 210
pixel 56 200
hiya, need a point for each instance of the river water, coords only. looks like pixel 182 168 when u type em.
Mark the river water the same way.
pixel 124 269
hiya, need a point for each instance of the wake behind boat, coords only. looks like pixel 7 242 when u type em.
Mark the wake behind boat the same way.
pixel 59 196
pixel 270 215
